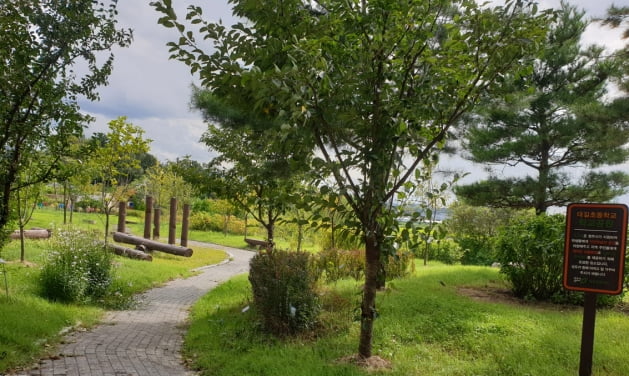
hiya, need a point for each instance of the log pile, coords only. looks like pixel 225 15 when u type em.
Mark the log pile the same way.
pixel 152 245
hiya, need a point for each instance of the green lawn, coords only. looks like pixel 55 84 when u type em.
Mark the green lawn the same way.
pixel 424 328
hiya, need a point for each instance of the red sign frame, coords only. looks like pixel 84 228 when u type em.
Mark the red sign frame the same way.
pixel 595 246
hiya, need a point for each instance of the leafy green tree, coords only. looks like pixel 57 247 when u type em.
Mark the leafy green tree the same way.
pixel 372 86
pixel 162 183
pixel 51 54
pixel 256 176
pixel 108 163
pixel 550 120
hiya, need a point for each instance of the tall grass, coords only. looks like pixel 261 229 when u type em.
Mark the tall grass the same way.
pixel 425 326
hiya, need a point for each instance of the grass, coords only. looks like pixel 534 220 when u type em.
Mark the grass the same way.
pixel 424 328
pixel 31 325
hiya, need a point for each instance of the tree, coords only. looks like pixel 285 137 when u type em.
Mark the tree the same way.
pixel 162 183
pixel 372 86
pixel 44 46
pixel 255 173
pixel 549 120
pixel 26 199
pixel 110 161
pixel 617 17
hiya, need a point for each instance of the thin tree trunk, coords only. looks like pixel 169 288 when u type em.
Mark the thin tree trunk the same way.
pixel 368 307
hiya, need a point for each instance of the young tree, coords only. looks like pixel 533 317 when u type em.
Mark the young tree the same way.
pixel 113 157
pixel 51 54
pixel 255 173
pixel 372 86
pixel 549 120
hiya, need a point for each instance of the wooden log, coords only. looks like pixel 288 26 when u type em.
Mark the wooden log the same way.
pixel 32 234
pixel 122 216
pixel 172 221
pixel 257 243
pixel 131 253
pixel 184 225
pixel 152 244
pixel 148 213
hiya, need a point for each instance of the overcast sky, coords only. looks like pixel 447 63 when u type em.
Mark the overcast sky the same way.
pixel 153 92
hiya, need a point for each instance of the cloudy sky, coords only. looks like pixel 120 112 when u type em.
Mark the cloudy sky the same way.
pixel 153 92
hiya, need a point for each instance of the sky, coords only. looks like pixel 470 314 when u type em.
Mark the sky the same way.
pixel 153 92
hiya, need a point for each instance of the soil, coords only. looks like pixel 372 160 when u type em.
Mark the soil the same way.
pixel 505 296
pixel 371 364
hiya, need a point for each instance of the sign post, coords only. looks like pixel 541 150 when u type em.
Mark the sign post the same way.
pixel 594 262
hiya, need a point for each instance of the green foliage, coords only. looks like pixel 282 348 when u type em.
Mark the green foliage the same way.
pixel 216 222
pixel 447 251
pixel 335 264
pixel 284 291
pixel 531 252
pixel 40 83
pixel 76 269
pixel 474 228
pixel 555 117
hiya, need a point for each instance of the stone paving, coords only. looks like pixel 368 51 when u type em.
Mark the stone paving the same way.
pixel 145 341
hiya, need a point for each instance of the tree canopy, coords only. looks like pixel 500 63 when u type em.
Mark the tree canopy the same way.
pixel 50 56
pixel 373 87
pixel 550 122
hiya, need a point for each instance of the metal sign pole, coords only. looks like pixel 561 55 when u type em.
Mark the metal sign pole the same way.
pixel 587 335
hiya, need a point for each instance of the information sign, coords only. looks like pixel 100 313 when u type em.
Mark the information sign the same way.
pixel 595 244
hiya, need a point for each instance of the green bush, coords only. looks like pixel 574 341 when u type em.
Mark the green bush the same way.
pixel 531 252
pixel 284 291
pixel 400 264
pixel 76 269
pixel 446 251
pixel 203 221
pixel 336 264
pixel 473 228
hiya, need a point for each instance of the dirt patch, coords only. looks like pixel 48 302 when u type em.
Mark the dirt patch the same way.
pixel 505 296
pixel 371 364
pixel 489 294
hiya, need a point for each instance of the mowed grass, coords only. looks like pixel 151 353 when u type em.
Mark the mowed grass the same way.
pixel 423 328
pixel 31 326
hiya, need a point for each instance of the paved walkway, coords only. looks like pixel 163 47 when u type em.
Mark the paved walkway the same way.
pixel 147 340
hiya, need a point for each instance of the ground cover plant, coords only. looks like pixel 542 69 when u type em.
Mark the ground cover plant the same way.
pixel 443 320
pixel 31 325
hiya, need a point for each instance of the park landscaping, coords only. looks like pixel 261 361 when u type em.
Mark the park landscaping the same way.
pixel 440 320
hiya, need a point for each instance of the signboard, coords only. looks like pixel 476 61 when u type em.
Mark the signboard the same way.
pixel 594 258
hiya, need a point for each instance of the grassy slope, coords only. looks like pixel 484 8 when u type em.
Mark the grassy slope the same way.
pixel 424 328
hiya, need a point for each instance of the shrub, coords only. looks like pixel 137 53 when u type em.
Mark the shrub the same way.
pixel 531 251
pixel 446 251
pixel 215 222
pixel 76 269
pixel 474 228
pixel 400 264
pixel 336 264
pixel 284 291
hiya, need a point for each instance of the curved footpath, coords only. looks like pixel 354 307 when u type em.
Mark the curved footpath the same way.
pixel 145 341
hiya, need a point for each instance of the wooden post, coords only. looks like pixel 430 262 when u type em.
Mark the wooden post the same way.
pixel 122 216
pixel 172 225
pixel 147 217
pixel 156 223
pixel 184 225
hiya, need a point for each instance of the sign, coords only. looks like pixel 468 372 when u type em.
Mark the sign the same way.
pixel 594 258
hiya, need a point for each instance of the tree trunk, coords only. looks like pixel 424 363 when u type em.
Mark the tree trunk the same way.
pixel 368 307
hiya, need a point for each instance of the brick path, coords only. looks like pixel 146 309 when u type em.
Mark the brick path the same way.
pixel 145 341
